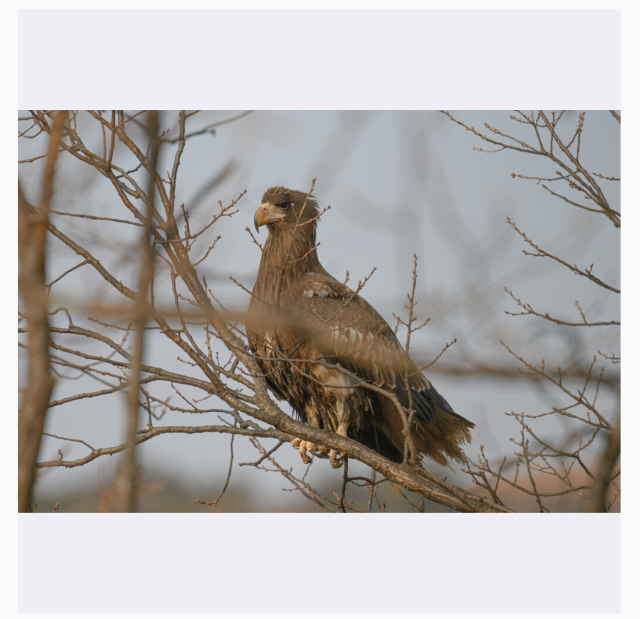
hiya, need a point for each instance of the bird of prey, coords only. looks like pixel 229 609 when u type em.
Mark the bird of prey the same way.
pixel 330 355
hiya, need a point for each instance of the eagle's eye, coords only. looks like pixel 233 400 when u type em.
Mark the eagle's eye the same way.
pixel 284 204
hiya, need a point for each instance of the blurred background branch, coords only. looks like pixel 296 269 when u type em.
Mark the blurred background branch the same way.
pixel 32 251
pixel 147 256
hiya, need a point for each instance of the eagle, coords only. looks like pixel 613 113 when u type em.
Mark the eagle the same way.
pixel 329 353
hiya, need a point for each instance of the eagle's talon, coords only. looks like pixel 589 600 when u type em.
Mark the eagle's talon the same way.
pixel 303 447
pixel 335 461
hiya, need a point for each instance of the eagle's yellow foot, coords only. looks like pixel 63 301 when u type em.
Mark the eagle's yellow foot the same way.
pixel 335 461
pixel 304 446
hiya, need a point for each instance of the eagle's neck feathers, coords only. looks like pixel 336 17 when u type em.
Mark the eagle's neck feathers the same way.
pixel 293 249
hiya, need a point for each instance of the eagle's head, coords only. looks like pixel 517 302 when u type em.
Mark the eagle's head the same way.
pixel 283 209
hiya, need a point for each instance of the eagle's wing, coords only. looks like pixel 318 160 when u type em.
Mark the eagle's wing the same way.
pixel 349 331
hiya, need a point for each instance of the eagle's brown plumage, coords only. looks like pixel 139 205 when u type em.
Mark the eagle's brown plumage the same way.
pixel 304 314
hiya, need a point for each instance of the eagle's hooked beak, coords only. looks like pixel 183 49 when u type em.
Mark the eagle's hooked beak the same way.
pixel 266 214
